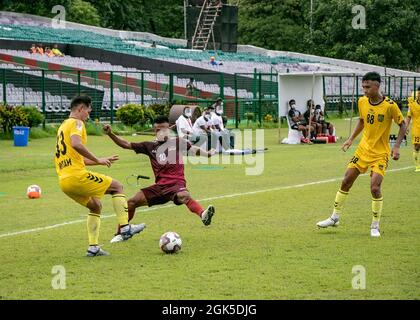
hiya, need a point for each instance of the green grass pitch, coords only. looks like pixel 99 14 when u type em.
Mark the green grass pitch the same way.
pixel 263 243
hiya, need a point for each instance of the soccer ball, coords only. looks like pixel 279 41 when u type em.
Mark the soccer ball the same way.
pixel 33 192
pixel 170 242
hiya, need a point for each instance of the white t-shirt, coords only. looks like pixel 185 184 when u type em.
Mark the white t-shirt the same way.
pixel 183 124
pixel 201 122
pixel 217 120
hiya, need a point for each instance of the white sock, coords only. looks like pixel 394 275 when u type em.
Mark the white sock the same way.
pixel 335 216
pixel 125 228
pixel 374 225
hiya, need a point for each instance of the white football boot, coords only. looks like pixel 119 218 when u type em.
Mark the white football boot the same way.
pixel 374 230
pixel 96 251
pixel 330 222
pixel 134 229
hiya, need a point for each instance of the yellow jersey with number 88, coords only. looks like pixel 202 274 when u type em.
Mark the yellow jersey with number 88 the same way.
pixel 377 121
pixel 68 162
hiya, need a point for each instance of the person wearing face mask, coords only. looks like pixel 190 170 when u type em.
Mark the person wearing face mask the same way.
pixel 225 137
pixel 203 126
pixel 296 120
pixel 309 115
pixel 184 125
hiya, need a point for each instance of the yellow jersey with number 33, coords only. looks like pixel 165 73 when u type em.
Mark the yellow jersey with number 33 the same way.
pixel 68 161
pixel 377 121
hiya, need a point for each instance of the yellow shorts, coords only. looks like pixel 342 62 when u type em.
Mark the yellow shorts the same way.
pixel 82 187
pixel 362 163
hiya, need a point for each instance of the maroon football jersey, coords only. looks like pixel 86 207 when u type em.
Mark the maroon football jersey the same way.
pixel 165 158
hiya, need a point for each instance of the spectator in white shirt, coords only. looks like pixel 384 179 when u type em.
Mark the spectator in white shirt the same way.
pixel 203 126
pixel 225 137
pixel 184 125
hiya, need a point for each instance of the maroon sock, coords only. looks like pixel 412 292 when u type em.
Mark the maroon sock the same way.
pixel 195 207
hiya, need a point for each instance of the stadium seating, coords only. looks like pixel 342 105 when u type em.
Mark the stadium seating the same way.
pixel 49 35
pixel 27 97
pixel 85 64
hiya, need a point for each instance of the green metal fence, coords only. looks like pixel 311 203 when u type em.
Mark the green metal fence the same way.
pixel 340 90
pixel 247 96
pixel 52 90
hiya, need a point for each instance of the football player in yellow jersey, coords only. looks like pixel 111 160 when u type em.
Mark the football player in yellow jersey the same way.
pixel 83 186
pixel 414 113
pixel 376 114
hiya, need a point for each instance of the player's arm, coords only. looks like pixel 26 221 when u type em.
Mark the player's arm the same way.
pixel 118 141
pixel 194 150
pixel 359 128
pixel 395 152
pixel 205 129
pixel 407 124
pixel 92 163
pixel 408 120
pixel 76 143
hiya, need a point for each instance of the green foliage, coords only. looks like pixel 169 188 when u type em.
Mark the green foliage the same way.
pixel 390 39
pixel 35 118
pixel 162 17
pixel 93 128
pixel 160 109
pixel 131 114
pixel 38 133
pixel 12 116
pixel 83 12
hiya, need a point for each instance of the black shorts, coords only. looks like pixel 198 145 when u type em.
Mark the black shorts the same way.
pixel 163 193
pixel 295 126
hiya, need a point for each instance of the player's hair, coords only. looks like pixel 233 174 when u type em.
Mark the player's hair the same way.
pixel 292 100
pixel 80 99
pixel 418 88
pixel 373 76
pixel 161 119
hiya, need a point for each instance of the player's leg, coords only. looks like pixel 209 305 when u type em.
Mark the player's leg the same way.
pixel 340 198
pixel 377 202
pixel 138 200
pixel 93 226
pixel 318 128
pixel 416 156
pixel 330 129
pixel 119 202
pixel 303 130
pixel 79 188
pixel 184 197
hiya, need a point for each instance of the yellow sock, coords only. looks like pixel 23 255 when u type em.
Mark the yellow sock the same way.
pixel 121 208
pixel 93 225
pixel 377 208
pixel 416 158
pixel 340 198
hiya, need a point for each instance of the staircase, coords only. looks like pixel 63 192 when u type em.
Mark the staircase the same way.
pixel 209 12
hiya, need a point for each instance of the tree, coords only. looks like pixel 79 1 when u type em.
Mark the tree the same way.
pixel 83 12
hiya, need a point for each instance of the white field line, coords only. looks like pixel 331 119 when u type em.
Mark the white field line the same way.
pixel 234 195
